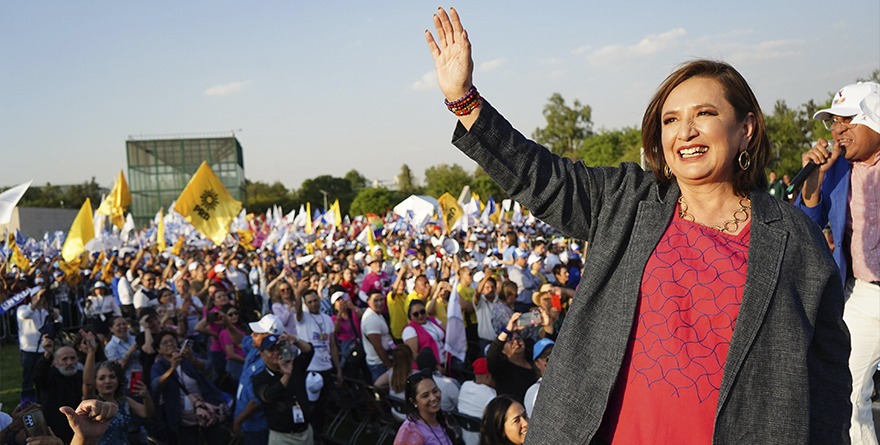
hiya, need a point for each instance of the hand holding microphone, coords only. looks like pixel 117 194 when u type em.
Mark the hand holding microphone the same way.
pixel 821 157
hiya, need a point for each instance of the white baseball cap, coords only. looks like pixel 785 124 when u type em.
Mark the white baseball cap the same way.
pixel 869 112
pixel 269 324
pixel 314 384
pixel 847 100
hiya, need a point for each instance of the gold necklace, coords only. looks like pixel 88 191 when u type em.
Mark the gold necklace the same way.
pixel 730 226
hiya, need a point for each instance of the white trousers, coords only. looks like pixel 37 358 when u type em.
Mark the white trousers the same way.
pixel 862 316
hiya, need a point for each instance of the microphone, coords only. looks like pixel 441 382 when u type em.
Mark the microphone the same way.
pixel 805 173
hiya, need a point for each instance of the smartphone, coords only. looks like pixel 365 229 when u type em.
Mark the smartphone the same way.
pixel 134 379
pixel 185 344
pixel 530 318
pixel 287 353
pixel 35 424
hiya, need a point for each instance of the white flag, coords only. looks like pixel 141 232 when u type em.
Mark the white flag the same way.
pixel 9 199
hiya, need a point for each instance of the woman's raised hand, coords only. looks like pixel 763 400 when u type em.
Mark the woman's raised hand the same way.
pixel 452 55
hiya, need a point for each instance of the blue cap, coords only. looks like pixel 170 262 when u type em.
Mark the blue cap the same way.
pixel 521 253
pixel 540 346
pixel 268 343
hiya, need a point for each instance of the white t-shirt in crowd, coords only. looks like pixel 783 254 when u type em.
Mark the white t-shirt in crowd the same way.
pixel 436 332
pixel 373 323
pixel 472 401
pixel 317 329
pixel 531 395
pixel 485 327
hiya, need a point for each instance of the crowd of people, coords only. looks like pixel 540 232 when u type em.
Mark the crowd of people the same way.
pixel 708 312
pixel 197 344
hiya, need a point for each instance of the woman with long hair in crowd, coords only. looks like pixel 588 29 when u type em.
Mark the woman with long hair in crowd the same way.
pixel 394 379
pixel 346 324
pixel 231 346
pixel 425 423
pixel 111 384
pixel 692 256
pixel 505 422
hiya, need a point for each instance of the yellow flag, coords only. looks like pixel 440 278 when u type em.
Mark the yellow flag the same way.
pixel 160 233
pixel 337 214
pixel 207 205
pixel 107 269
pixel 71 270
pixel 451 211
pixel 245 239
pixel 480 205
pixel 17 258
pixel 81 232
pixel 309 229
pixel 177 246
pixel 116 202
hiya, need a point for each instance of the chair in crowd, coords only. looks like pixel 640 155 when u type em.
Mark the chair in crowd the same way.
pixel 380 416
pixel 467 423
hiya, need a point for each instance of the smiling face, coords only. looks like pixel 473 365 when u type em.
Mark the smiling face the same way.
pixel 106 382
pixel 120 327
pixel 516 423
pixel 860 142
pixel 701 135
pixel 417 312
pixel 427 400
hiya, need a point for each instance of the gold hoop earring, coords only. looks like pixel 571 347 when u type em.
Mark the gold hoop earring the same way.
pixel 667 172
pixel 744 160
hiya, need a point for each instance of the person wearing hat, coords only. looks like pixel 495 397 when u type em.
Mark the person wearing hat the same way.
pixel 101 308
pixel 375 278
pixel 844 193
pixel 526 283
pixel 475 395
pixel 249 418
pixel 541 357
pixel 281 387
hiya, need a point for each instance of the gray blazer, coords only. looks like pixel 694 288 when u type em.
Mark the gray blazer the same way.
pixel 786 378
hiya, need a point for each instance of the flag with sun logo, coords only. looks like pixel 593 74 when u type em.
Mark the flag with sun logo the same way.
pixel 207 205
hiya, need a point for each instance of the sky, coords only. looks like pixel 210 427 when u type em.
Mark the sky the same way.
pixel 313 88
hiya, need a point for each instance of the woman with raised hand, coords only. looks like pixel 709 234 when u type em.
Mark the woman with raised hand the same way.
pixel 711 312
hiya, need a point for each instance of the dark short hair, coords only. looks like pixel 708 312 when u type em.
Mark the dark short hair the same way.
pixel 740 96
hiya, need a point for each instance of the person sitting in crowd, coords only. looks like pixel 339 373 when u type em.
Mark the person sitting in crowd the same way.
pixel 424 332
pixel 505 422
pixel 475 395
pixel 394 380
pixel 376 336
pixel 425 422
pixel 540 357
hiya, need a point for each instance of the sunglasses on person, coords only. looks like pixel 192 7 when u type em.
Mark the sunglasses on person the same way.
pixel 420 375
pixel 418 313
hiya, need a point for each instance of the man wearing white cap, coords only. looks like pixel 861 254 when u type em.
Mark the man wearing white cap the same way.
pixel 845 193
pixel 526 283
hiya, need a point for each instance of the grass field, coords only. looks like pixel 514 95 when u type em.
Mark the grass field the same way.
pixel 10 377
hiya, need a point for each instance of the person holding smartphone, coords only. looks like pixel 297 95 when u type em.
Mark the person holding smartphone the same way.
pixel 510 367
pixel 110 385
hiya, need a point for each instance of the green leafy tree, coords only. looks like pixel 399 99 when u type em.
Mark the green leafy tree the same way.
pixel 567 127
pixel 75 195
pixel 610 148
pixel 336 188
pixel 789 134
pixel 484 186
pixel 261 196
pixel 406 182
pixel 46 196
pixel 376 200
pixel 357 180
pixel 443 178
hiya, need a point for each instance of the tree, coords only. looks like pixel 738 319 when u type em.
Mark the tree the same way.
pixel 261 196
pixel 336 188
pixel 789 133
pixel 357 180
pixel 610 148
pixel 406 182
pixel 373 200
pixel 46 196
pixel 567 127
pixel 484 186
pixel 443 178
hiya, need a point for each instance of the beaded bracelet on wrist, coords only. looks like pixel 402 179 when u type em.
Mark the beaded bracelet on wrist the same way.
pixel 465 105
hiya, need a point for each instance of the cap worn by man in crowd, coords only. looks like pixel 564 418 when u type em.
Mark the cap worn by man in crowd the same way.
pixel 358 256
pixel 337 295
pixel 57 274
pixel 99 285
pixel 481 367
pixel 180 262
pixel 520 253
pixel 416 263
pixel 269 324
pixel 269 343
pixel 540 346
pixel 869 114
pixel 219 268
pixel 314 384
pixel 371 259
pixel 846 102
pixel 192 266
pixel 533 258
